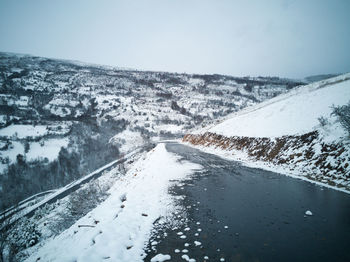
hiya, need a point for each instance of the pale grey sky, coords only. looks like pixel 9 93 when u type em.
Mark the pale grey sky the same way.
pixel 236 37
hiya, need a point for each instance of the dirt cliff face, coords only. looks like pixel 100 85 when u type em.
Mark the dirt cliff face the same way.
pixel 307 154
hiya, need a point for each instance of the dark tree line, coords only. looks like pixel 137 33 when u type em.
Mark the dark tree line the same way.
pixel 24 179
pixel 89 150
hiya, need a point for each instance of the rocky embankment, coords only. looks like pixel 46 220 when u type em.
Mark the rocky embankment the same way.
pixel 306 155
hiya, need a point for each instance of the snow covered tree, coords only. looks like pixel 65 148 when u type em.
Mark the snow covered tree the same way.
pixel 343 114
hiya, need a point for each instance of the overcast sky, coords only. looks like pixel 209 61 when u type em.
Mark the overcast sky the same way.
pixel 281 38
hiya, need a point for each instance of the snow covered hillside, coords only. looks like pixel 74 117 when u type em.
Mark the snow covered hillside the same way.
pixel 294 113
pixel 298 132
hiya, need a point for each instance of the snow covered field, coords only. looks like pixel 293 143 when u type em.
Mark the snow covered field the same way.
pixel 37 150
pixel 120 227
pixel 50 150
pixel 23 131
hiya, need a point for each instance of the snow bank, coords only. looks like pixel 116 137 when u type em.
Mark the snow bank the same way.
pixel 119 228
pixel 294 113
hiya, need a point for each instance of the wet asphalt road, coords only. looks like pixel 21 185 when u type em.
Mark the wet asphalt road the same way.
pixel 248 214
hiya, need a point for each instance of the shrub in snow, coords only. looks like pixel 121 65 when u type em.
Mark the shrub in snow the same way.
pixel 323 121
pixel 87 198
pixel 343 114
pixel 25 234
pixel 4 235
pixel 15 238
pixel 79 204
pixel 41 212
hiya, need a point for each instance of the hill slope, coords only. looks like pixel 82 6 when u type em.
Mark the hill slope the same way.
pixel 294 113
pixel 295 131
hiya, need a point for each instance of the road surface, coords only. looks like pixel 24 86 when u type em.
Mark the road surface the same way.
pixel 238 213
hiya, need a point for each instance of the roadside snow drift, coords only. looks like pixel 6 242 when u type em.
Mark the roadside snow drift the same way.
pixel 119 228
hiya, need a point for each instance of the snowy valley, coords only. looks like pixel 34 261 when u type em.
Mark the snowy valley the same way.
pixel 157 198
pixel 60 120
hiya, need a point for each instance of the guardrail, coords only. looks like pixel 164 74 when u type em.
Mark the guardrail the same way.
pixel 22 204
pixel 66 190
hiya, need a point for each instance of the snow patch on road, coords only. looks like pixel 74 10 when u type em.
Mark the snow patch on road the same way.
pixel 160 258
pixel 308 213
